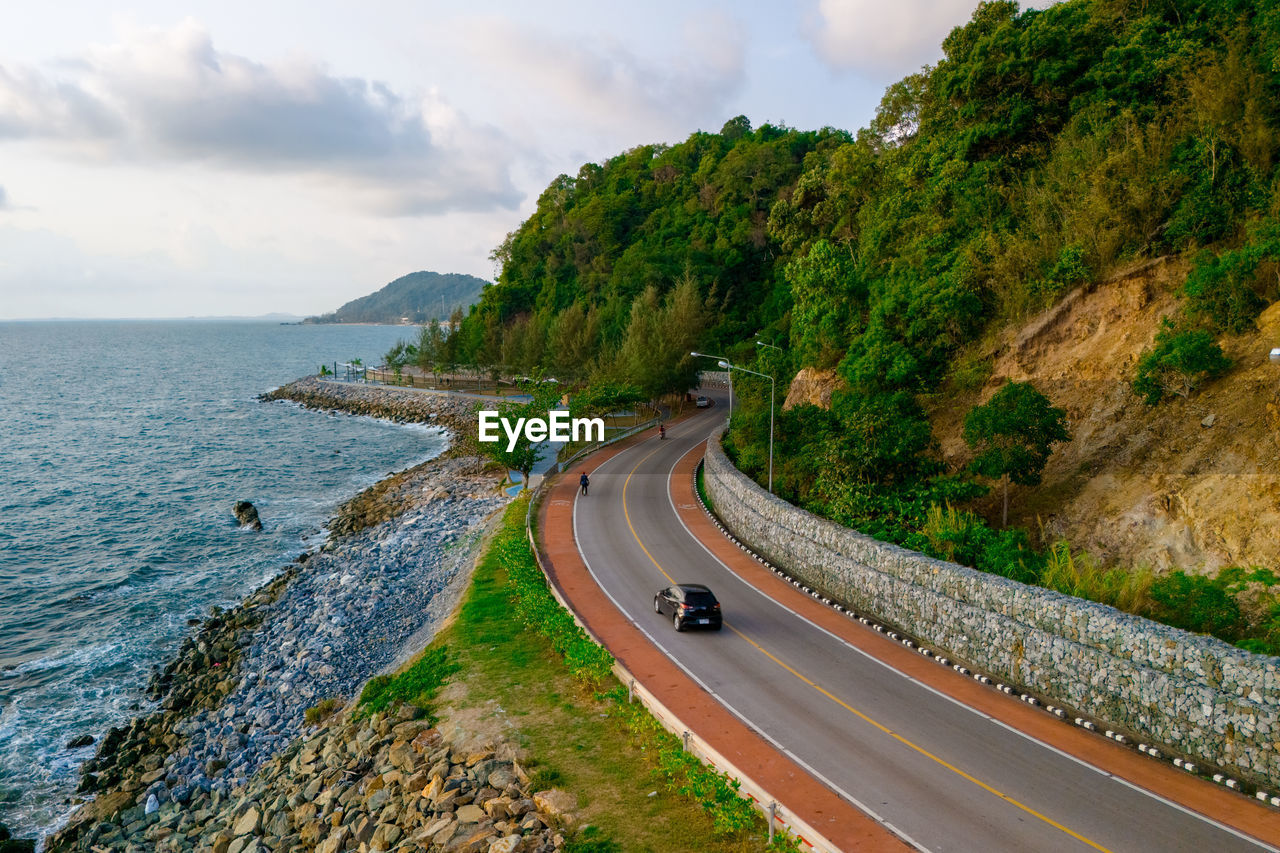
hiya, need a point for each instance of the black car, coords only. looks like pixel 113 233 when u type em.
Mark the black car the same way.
pixel 689 605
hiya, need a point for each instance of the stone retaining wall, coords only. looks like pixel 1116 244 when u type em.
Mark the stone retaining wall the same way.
pixel 1201 697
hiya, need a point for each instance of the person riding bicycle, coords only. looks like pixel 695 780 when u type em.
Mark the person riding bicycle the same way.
pixel 584 481
pixel 662 431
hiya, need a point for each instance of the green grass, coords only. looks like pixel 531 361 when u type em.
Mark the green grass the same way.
pixel 415 685
pixel 702 487
pixel 577 737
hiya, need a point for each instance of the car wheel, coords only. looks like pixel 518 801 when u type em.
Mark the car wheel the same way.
pixel 676 623
pixel 657 608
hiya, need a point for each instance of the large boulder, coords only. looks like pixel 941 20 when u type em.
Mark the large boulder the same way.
pixel 247 515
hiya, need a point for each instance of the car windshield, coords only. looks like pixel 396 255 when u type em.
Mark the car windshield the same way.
pixel 699 599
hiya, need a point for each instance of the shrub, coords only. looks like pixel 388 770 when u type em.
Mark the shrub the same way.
pixel 1221 290
pixel 321 710
pixel 1195 603
pixel 1081 575
pixel 1180 361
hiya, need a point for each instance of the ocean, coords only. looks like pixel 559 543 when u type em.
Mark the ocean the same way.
pixel 123 447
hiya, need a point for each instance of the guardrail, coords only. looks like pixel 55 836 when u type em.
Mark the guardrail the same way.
pixel 778 815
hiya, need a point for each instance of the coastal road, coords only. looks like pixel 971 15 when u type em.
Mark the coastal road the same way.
pixel 861 714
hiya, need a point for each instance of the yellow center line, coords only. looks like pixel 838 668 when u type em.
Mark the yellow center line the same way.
pixel 827 693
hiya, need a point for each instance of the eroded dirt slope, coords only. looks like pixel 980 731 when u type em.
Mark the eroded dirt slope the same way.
pixel 1192 483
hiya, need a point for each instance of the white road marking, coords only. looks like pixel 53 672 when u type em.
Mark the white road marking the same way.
pixel 1031 738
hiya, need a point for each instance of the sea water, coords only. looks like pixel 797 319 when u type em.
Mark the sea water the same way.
pixel 123 447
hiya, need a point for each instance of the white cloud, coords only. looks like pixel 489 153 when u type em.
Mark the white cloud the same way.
pixel 878 38
pixel 601 82
pixel 171 95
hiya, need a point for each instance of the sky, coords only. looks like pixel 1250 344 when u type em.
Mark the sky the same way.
pixel 170 159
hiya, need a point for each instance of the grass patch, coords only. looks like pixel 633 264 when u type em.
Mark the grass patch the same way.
pixel 701 486
pixel 1081 575
pixel 579 736
pixel 321 710
pixel 416 685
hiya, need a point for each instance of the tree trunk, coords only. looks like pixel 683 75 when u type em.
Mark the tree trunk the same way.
pixel 1004 520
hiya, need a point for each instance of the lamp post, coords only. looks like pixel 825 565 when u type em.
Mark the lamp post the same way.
pixel 732 367
pixel 761 343
pixel 722 361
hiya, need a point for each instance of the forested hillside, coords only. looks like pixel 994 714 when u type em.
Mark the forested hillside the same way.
pixel 1047 151
pixel 419 296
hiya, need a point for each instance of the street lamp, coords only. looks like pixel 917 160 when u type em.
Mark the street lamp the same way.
pixel 732 367
pixel 722 362
pixel 761 343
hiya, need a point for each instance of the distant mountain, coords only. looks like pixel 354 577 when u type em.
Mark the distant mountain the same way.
pixel 418 297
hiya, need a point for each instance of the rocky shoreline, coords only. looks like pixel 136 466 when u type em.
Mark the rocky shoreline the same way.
pixel 236 756
pixel 402 405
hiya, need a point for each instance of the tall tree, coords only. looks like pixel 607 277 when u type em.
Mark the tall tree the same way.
pixel 654 354
pixel 1013 433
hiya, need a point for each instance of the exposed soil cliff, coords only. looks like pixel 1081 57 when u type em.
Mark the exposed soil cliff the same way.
pixel 1192 483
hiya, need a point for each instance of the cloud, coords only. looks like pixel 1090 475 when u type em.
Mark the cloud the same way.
pixel 877 38
pixel 171 95
pixel 4 199
pixel 607 86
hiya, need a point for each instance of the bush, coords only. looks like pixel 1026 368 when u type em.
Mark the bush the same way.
pixel 1195 603
pixel 323 709
pixel 1180 361
pixel 1081 576
pixel 1221 290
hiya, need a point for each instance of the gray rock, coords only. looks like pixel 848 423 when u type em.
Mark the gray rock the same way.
pixel 247 515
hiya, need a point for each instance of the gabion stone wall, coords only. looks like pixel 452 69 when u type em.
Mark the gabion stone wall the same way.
pixel 1197 695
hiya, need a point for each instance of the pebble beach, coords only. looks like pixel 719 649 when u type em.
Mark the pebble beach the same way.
pixel 231 709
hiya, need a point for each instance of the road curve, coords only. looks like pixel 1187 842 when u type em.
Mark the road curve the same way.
pixel 939 761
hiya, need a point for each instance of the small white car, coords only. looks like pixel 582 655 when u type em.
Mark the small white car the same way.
pixel 702 403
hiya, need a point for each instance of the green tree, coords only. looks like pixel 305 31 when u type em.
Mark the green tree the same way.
pixel 524 454
pixel 1013 433
pixel 399 355
pixel 430 343
pixel 654 354
pixel 1179 363
pixel 602 398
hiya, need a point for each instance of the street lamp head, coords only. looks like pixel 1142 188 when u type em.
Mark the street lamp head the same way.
pixel 696 354
pixel 723 364
pixel 1275 355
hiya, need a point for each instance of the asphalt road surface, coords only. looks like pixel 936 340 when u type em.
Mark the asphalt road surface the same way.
pixel 941 775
